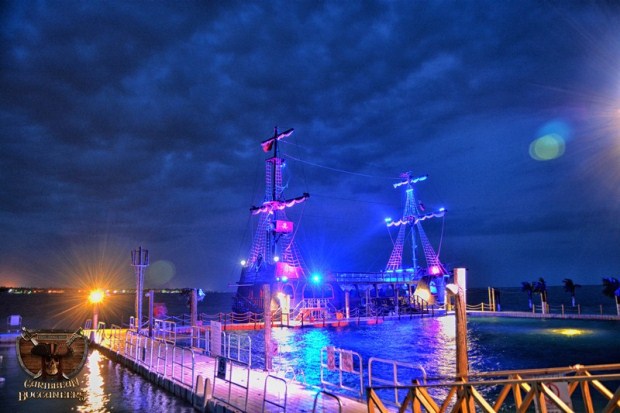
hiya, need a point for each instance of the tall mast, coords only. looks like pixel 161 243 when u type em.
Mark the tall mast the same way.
pixel 412 217
pixel 272 216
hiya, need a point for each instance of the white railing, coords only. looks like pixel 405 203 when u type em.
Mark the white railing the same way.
pixel 238 347
pixel 180 355
pixel 348 369
pixel 401 374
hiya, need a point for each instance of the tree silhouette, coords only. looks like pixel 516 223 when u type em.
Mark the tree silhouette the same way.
pixel 540 287
pixel 611 288
pixel 527 288
pixel 570 287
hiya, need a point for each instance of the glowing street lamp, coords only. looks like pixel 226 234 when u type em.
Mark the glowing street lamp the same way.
pixel 95 298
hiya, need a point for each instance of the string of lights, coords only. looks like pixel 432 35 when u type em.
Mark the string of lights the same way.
pixel 289 156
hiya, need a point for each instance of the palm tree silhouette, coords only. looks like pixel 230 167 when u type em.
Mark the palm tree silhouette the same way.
pixel 540 287
pixel 527 288
pixel 611 288
pixel 570 287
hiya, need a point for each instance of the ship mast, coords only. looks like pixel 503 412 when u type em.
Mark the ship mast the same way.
pixel 273 228
pixel 412 217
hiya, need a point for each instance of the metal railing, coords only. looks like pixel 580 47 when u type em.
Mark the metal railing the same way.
pixel 274 388
pixel 373 277
pixel 399 374
pixel 165 331
pixel 235 375
pixel 329 396
pixel 349 370
pixel 180 357
pixel 238 347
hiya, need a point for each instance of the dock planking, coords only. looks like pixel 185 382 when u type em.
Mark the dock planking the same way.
pixel 238 389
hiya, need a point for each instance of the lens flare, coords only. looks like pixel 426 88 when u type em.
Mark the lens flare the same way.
pixel 547 147
pixel 160 272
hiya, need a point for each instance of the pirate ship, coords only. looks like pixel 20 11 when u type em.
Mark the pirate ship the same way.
pixel 274 259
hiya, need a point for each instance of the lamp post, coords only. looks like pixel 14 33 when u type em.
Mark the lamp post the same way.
pixel 95 297
pixel 139 261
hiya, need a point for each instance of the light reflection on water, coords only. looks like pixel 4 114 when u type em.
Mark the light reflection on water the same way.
pixel 108 387
pixel 493 344
pixel 96 398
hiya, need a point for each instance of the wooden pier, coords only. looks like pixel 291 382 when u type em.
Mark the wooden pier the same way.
pixel 215 384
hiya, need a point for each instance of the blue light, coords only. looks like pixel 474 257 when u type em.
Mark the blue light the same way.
pixel 442 209
pixel 388 219
pixel 284 278
pixel 316 278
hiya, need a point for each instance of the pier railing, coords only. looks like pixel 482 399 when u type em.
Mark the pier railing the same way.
pixel 554 389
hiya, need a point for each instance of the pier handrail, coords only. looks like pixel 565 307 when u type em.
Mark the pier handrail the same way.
pixel 165 330
pixel 394 380
pixel 346 364
pixel 230 339
pixel 183 351
pixel 162 359
pixel 266 393
pixel 115 337
pixel 223 370
pixel 328 394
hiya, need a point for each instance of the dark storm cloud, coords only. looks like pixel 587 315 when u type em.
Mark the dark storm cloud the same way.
pixel 140 122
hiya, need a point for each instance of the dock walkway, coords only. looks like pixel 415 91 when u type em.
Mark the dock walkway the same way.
pixel 212 384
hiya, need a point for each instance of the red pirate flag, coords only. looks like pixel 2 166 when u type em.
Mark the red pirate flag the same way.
pixel 268 144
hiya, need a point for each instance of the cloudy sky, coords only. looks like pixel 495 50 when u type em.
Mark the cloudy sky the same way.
pixel 138 123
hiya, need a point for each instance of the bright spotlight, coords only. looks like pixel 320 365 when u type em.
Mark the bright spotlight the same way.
pixel 316 278
pixel 243 262
pixel 96 296
pixel 276 258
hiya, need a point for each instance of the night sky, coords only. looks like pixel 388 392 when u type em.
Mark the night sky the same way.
pixel 138 123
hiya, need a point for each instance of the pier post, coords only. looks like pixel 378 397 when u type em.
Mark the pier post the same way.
pixel 346 304
pixel 462 364
pixel 139 261
pixel 151 299
pixel 396 309
pixel 267 318
pixel 193 304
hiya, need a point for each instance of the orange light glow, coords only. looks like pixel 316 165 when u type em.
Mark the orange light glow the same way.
pixel 96 296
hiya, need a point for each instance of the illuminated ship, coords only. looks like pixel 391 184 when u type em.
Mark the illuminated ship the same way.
pixel 275 261
pixel 274 258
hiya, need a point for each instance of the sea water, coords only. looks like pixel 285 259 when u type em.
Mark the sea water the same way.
pixel 107 386
pixel 494 344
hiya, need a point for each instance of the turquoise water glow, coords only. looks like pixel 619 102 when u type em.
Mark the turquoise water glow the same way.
pixel 494 344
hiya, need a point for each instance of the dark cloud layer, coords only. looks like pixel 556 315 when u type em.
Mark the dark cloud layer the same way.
pixel 139 123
